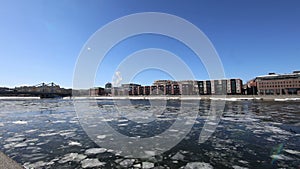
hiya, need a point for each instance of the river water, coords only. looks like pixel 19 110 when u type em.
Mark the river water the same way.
pixel 250 134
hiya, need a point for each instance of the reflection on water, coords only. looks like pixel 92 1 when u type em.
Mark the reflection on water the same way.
pixel 251 134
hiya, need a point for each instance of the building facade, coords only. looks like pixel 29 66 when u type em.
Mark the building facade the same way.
pixel 251 87
pixel 184 87
pixel 97 91
pixel 279 84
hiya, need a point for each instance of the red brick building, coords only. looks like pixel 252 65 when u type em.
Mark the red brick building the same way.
pixel 279 84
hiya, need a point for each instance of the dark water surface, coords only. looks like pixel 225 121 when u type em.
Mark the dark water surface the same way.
pixel 250 134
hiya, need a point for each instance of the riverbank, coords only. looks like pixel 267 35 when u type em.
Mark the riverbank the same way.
pixel 17 98
pixel 188 97
pixel 204 97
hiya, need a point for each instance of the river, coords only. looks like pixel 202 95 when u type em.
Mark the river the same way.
pixel 47 133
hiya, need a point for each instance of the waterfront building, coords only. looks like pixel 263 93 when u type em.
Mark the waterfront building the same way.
pixel 147 90
pixel 208 87
pixel 183 87
pixel 219 87
pixel 201 87
pixel 186 87
pixel 165 87
pixel 108 89
pixel 141 90
pixel 168 89
pixel 175 89
pixel 97 91
pixel 130 89
pixel 279 84
pixel 117 91
pixel 154 90
pixel 251 87
pixel 234 86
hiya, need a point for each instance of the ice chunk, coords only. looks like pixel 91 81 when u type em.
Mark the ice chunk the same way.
pixel 147 165
pixel 150 153
pixel 123 124
pixel 173 130
pixel 127 163
pixel 74 143
pixel 39 164
pixel 20 122
pixel 72 157
pixel 20 145
pixel 10 145
pixel 198 165
pixel 48 134
pixel 92 162
pixel 281 157
pixel 238 167
pixel 95 151
pixel 101 136
pixel 59 121
pixel 137 165
pixel 30 131
pixel 178 156
pixel 292 152
pixel 67 134
pixel 15 139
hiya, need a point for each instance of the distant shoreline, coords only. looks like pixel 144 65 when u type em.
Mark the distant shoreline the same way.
pixel 203 97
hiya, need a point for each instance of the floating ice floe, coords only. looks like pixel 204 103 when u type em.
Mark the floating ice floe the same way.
pixel 150 153
pixel 122 120
pixel 178 156
pixel 20 122
pixel 270 139
pixel 127 163
pixel 15 139
pixel 48 134
pixel 10 145
pixel 123 124
pixel 95 151
pixel 74 143
pixel 31 131
pixel 101 136
pixel 18 145
pixel 238 167
pixel 243 162
pixel 92 162
pixel 198 165
pixel 59 121
pixel 147 165
pixel 39 164
pixel 276 130
pixel 33 148
pixel 32 140
pixel 1 124
pixel 72 157
pixel 292 152
pixel 281 157
pixel 67 134
pixel 137 166
pixel 173 130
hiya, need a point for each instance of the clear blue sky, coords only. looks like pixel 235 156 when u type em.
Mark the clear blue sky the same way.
pixel 41 39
